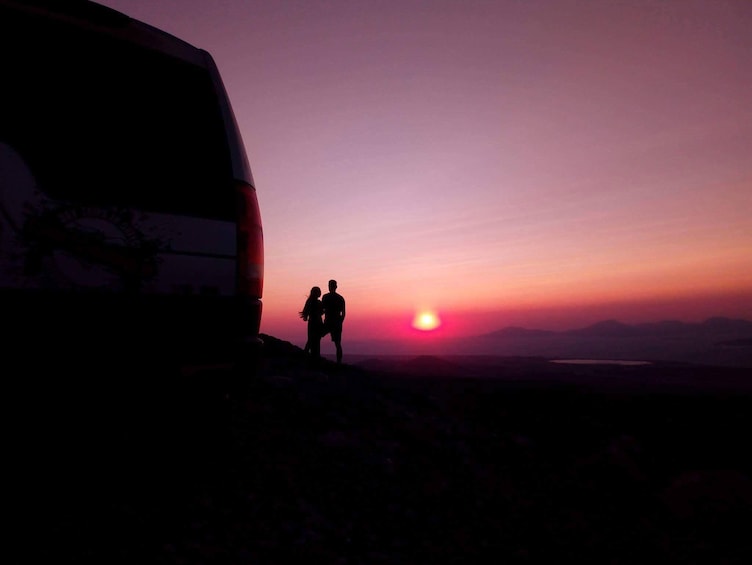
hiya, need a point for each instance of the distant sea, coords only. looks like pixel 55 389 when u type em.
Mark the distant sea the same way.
pixel 621 362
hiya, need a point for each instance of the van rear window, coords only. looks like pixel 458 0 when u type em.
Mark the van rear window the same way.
pixel 102 121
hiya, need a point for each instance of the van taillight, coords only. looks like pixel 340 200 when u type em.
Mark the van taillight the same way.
pixel 250 268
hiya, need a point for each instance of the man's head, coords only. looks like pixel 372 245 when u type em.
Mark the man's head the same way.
pixel 332 285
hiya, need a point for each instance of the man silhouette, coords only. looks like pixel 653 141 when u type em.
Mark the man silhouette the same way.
pixel 334 314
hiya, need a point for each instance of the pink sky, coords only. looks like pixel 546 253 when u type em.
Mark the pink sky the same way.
pixel 545 164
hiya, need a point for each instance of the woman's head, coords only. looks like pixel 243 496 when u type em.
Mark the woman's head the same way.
pixel 315 292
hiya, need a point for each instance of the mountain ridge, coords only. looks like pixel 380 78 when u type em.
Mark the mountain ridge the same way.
pixel 615 328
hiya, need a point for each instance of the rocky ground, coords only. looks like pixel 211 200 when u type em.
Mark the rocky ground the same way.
pixel 343 465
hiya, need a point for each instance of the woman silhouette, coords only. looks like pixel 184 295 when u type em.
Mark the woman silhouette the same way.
pixel 311 313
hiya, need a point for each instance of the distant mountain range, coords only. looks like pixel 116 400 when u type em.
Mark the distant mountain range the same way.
pixel 614 329
pixel 716 341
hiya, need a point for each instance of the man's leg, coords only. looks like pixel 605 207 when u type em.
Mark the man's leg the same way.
pixel 338 344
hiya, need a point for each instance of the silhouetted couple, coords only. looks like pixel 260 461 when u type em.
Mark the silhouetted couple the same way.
pixel 324 316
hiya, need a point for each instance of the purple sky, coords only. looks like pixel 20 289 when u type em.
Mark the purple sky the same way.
pixel 530 163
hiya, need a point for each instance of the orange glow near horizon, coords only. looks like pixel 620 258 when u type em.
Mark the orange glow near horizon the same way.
pixel 364 323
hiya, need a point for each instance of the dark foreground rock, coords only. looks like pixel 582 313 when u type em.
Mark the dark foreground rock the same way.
pixel 301 463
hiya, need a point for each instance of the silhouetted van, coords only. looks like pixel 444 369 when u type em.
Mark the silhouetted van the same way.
pixel 128 213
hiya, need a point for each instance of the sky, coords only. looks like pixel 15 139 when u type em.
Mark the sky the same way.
pixel 545 164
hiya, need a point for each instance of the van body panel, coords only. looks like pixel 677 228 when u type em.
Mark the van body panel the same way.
pixel 126 196
pixel 94 247
pixel 241 169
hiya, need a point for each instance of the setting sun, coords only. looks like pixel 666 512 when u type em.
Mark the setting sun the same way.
pixel 426 320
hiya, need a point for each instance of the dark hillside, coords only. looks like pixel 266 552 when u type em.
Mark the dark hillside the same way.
pixel 342 465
